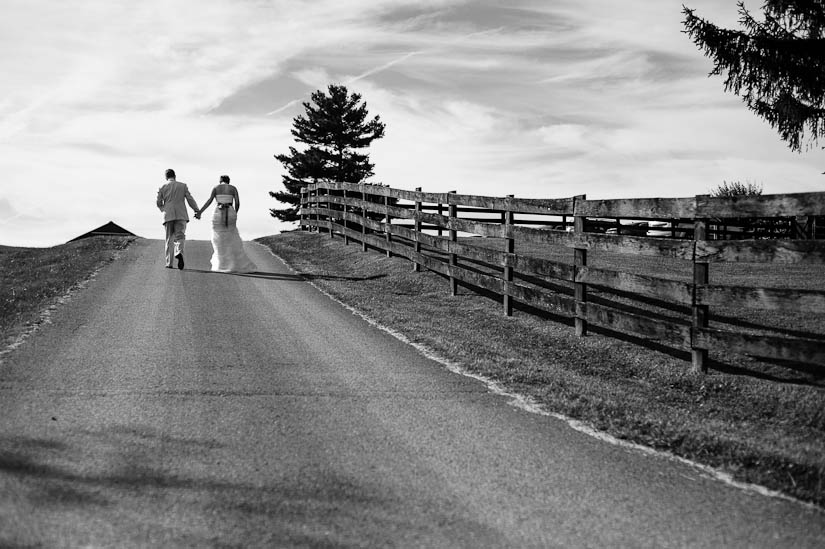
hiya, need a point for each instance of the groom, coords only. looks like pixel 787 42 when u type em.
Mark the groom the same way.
pixel 175 217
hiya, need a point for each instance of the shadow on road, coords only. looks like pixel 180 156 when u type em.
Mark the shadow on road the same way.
pixel 293 277
pixel 93 476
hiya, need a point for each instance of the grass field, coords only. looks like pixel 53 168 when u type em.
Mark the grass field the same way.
pixel 33 278
pixel 762 427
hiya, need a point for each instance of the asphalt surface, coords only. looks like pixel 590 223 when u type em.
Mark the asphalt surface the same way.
pixel 166 408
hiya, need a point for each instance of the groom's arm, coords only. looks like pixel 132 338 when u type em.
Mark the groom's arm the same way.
pixel 191 201
pixel 160 201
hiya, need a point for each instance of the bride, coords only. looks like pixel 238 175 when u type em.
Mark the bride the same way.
pixel 227 248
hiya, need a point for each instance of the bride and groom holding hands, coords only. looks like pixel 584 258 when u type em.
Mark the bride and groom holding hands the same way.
pixel 227 247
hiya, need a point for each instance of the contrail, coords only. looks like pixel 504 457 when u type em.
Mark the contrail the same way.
pixel 361 76
pixel 276 111
pixel 477 33
pixel 382 67
pixel 404 57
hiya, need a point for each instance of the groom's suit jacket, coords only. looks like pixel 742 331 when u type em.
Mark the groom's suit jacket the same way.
pixel 171 201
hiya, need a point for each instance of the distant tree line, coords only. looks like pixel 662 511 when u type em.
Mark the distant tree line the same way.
pixel 736 188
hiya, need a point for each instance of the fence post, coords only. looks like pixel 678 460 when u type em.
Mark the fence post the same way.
pixel 509 249
pixel 579 260
pixel 301 209
pixel 308 205
pixel 699 357
pixel 453 213
pixel 800 226
pixel 363 222
pixel 417 243
pixel 388 229
pixel 318 194
pixel 314 201
pixel 330 217
pixel 440 212
pixel 346 223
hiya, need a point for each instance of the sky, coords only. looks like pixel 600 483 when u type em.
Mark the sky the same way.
pixel 536 98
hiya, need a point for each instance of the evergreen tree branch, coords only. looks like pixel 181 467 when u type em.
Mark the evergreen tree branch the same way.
pixel 777 66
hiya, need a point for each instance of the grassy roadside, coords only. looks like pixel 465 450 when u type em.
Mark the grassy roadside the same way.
pixel 766 432
pixel 31 279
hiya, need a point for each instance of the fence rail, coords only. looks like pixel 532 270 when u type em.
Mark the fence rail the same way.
pixel 676 309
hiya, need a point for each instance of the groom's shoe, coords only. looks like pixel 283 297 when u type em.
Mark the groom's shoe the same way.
pixel 180 261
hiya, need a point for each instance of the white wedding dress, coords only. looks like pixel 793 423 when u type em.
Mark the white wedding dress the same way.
pixel 228 254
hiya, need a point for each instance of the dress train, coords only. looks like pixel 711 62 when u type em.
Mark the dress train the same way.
pixel 228 254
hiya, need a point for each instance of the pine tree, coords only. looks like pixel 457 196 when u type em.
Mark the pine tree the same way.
pixel 777 65
pixel 334 128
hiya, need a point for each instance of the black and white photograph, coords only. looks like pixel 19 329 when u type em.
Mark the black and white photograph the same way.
pixel 395 273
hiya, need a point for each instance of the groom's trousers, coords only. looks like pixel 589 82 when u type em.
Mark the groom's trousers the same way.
pixel 175 237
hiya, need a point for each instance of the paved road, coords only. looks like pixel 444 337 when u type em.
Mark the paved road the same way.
pixel 167 408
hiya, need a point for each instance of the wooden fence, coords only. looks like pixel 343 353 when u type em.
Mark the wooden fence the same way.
pixel 517 257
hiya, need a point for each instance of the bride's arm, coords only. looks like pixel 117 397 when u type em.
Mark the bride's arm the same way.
pixel 211 198
pixel 237 200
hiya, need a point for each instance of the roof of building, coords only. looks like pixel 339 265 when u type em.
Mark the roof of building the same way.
pixel 109 229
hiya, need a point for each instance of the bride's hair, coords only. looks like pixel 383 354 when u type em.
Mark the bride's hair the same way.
pixel 224 179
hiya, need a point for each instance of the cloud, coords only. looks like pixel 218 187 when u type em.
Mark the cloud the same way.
pixel 315 77
pixel 6 210
pixel 535 98
pixel 566 137
pixel 24 228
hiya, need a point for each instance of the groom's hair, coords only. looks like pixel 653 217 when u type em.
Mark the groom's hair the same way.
pixel 170 174
pixel 224 179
